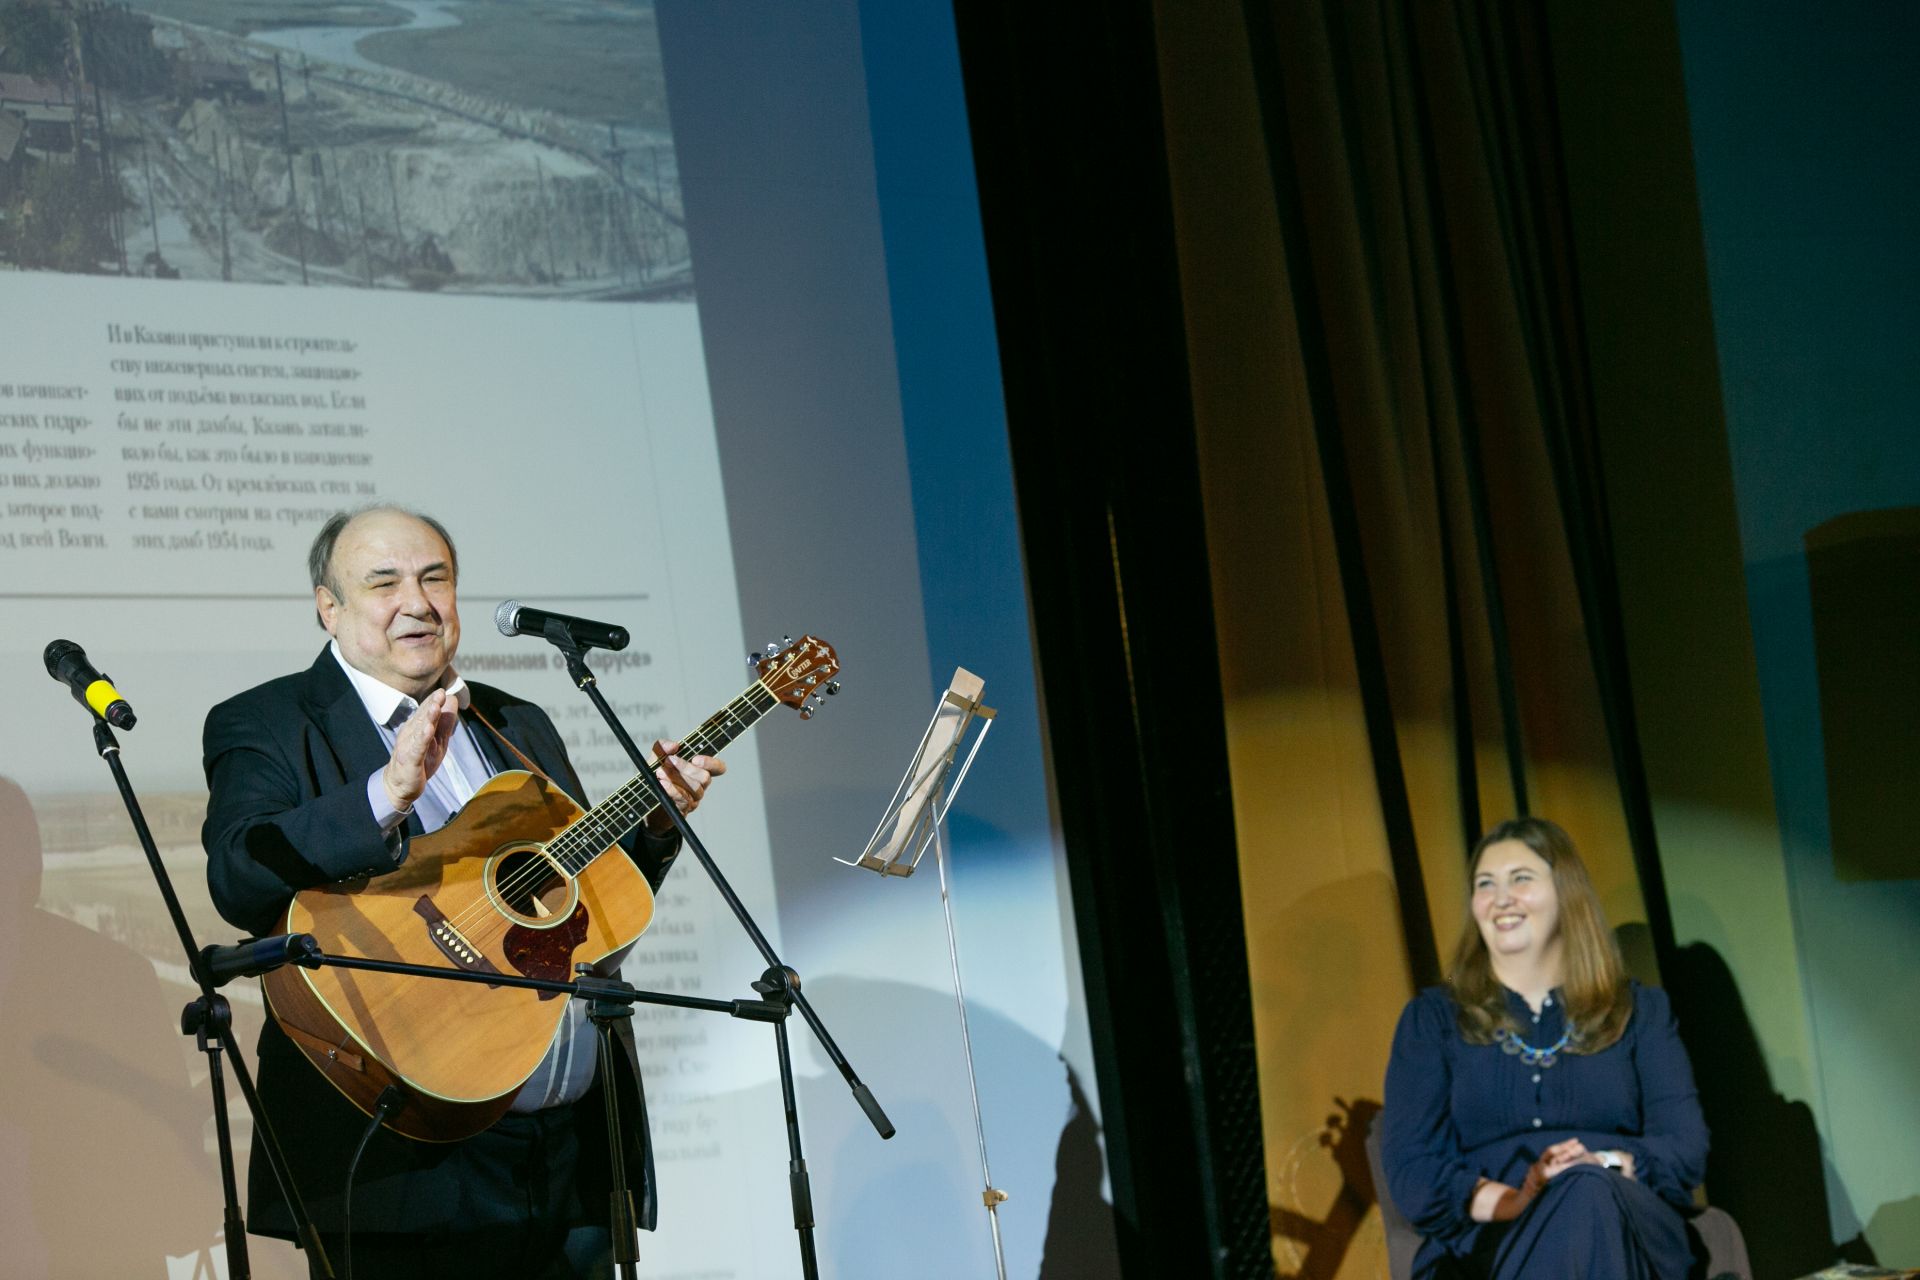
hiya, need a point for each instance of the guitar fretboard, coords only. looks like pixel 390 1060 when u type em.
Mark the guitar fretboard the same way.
pixel 600 827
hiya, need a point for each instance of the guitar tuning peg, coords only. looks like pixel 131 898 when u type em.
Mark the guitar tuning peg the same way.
pixel 833 687
pixel 753 659
pixel 806 713
pixel 773 647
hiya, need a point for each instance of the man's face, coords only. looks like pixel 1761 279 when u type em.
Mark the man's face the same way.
pixel 395 617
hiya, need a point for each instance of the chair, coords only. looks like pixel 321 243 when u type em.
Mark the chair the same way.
pixel 1717 1243
pixel 1402 1240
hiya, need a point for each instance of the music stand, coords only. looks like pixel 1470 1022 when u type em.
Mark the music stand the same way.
pixel 913 820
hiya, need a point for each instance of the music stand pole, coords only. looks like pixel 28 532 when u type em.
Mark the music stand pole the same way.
pixel 990 1196
pixel 209 1020
pixel 914 819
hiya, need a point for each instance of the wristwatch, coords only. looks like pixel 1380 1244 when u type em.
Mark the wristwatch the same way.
pixel 1612 1160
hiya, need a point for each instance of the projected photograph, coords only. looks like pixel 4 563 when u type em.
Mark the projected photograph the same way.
pixel 500 147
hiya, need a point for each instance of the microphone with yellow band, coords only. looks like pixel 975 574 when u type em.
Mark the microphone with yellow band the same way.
pixel 67 663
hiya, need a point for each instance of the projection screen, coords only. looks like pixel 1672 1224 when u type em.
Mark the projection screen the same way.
pixel 676 319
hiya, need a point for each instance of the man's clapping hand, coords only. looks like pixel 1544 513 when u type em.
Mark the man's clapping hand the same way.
pixel 418 748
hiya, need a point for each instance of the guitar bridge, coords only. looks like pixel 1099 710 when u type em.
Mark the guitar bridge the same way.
pixel 450 942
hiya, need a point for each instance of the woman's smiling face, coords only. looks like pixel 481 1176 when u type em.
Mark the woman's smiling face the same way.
pixel 1514 900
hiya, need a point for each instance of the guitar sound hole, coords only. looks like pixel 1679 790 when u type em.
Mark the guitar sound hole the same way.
pixel 529 885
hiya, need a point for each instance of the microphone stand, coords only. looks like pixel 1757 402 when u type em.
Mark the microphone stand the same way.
pixel 209 1020
pixel 608 1001
pixel 780 983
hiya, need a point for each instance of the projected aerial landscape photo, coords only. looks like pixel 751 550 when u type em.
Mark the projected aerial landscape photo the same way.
pixel 503 147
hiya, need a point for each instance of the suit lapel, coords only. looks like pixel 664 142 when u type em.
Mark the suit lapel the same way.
pixel 349 731
pixel 344 721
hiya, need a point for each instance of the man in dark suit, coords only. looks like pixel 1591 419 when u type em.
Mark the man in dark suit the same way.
pixel 322 776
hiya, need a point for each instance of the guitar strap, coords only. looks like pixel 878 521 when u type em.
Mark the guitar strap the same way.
pixel 518 754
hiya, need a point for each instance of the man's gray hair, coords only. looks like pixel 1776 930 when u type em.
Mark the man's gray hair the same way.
pixel 320 554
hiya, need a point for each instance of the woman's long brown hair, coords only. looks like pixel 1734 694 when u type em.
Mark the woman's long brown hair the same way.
pixel 1599 1000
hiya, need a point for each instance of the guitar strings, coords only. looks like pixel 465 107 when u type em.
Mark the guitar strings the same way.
pixel 472 921
pixel 704 739
pixel 530 877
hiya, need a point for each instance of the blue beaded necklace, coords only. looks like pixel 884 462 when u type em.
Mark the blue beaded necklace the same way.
pixel 1511 1043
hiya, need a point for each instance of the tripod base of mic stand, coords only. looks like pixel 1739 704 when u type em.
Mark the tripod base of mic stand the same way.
pixel 209 1020
pixel 776 987
pixel 622 1221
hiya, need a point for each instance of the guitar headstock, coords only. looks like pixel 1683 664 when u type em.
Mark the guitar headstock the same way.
pixel 798 672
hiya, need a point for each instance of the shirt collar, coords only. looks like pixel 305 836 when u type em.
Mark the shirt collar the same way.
pixel 1517 1003
pixel 384 702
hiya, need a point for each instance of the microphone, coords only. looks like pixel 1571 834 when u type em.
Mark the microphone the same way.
pixel 516 619
pixel 262 955
pixel 67 663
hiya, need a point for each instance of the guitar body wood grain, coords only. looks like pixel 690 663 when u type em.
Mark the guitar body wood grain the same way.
pixel 460 1050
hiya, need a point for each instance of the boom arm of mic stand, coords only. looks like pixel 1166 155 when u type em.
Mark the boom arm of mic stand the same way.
pixel 583 676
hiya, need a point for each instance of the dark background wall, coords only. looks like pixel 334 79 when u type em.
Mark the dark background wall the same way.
pixel 1802 127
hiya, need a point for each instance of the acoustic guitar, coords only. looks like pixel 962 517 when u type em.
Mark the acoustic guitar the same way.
pixel 521 881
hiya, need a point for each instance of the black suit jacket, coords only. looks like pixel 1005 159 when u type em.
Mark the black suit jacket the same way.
pixel 287 765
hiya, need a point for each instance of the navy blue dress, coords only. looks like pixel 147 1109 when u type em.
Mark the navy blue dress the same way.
pixel 1458 1112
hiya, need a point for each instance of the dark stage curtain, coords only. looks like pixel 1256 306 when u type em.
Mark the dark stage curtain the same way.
pixel 1407 519
pixel 1305 450
pixel 1417 182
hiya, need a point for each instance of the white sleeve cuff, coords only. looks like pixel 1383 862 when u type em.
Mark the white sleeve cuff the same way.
pixel 385 815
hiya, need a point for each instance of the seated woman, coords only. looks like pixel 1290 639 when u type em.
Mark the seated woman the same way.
pixel 1541 1120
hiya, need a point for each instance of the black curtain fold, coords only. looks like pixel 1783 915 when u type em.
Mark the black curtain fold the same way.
pixel 1072 172
pixel 1414 120
pixel 1330 429
pixel 1508 351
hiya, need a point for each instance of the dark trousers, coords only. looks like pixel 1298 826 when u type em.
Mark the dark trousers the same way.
pixel 520 1215
pixel 583 1253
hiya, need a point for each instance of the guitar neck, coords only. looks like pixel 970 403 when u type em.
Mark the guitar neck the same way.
pixel 608 822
